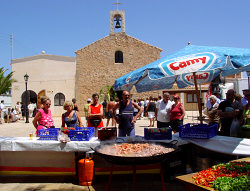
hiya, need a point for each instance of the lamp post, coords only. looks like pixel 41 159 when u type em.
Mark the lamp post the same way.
pixel 248 74
pixel 26 77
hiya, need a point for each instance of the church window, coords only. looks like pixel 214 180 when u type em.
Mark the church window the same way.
pixel 59 99
pixel 118 57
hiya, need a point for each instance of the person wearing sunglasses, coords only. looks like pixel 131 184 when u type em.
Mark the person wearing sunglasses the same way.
pixel 228 110
pixel 177 114
pixel 151 111
pixel 246 116
pixel 244 100
pixel 213 118
pixel 95 114
pixel 126 118
pixel 71 117
pixel 43 118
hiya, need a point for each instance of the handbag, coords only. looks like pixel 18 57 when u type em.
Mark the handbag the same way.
pixel 95 122
pixel 234 127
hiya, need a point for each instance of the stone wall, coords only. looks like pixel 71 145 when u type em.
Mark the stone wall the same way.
pixel 96 67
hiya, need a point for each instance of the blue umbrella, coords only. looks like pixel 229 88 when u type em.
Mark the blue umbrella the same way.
pixel 188 66
pixel 207 63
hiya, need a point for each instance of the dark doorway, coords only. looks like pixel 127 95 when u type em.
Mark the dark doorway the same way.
pixel 32 97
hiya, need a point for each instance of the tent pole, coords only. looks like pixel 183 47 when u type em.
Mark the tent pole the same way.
pixel 198 97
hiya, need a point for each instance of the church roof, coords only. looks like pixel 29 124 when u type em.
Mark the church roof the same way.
pixel 45 56
pixel 120 35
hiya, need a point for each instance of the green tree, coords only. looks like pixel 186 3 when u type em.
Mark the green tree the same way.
pixel 5 81
pixel 106 92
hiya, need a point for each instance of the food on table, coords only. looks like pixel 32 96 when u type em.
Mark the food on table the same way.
pixel 66 129
pixel 134 150
pixel 231 176
pixel 64 138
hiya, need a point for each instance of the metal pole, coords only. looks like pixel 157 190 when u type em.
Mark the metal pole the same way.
pixel 198 96
pixel 248 82
pixel 11 41
pixel 248 75
pixel 26 105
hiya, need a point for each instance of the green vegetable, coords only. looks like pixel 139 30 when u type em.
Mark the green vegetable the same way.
pixel 232 184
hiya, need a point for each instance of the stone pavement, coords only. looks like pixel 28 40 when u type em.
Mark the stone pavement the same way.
pixel 144 182
pixel 52 183
pixel 22 129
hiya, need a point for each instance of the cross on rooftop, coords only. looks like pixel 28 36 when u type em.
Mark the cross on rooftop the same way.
pixel 117 4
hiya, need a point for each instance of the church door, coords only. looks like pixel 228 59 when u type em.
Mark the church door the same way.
pixel 41 93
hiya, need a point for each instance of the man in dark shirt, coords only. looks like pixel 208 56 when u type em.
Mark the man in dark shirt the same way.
pixel 125 119
pixel 104 105
pixel 227 111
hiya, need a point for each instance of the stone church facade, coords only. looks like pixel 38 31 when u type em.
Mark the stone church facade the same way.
pixel 103 61
pixel 95 66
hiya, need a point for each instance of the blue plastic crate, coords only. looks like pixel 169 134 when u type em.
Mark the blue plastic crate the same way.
pixel 198 131
pixel 48 134
pixel 80 128
pixel 81 134
pixel 158 133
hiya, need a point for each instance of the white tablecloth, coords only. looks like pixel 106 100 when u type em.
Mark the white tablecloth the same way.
pixel 25 144
pixel 222 144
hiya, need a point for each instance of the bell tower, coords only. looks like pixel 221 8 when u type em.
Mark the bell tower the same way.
pixel 117 20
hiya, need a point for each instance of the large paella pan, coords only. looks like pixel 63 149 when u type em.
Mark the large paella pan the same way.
pixel 136 152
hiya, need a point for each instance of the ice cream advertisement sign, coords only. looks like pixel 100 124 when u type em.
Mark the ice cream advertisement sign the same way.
pixel 201 77
pixel 188 64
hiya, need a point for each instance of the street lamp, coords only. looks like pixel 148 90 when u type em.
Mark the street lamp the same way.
pixel 26 77
pixel 248 75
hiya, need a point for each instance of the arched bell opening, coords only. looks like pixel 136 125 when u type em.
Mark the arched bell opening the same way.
pixel 117 21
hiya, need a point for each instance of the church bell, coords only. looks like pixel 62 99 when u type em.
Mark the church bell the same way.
pixel 117 24
pixel 117 19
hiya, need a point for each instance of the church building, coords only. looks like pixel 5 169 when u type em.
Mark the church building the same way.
pixel 100 63
pixel 95 66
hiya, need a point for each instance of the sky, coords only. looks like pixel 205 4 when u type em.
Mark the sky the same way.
pixel 60 27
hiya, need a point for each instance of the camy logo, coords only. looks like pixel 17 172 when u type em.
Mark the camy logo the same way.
pixel 184 64
pixel 200 76
pixel 155 86
pixel 188 64
pixel 128 79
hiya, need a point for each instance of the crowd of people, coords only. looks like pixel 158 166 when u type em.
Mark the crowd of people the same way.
pixel 125 112
pixel 10 115
pixel 229 114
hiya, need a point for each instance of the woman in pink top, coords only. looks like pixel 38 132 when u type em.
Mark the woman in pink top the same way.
pixel 43 117
pixel 177 114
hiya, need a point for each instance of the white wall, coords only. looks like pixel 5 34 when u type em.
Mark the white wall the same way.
pixel 54 74
pixel 7 99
